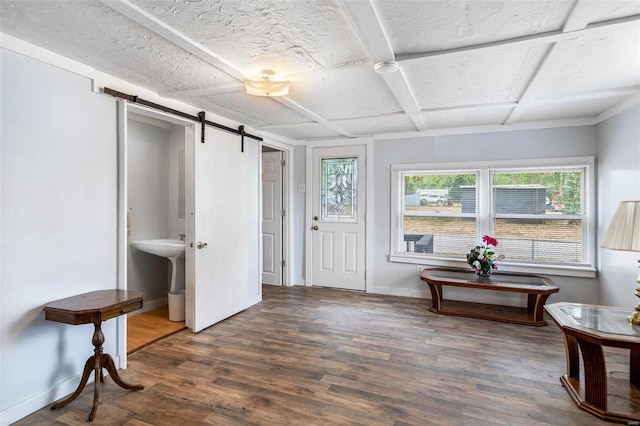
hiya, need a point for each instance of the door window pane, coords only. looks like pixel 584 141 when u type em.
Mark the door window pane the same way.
pixel 339 189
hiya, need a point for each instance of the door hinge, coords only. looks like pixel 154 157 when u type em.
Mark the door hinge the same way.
pixel 283 212
pixel 283 163
pixel 283 263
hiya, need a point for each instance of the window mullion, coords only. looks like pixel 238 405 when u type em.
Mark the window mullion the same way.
pixel 485 200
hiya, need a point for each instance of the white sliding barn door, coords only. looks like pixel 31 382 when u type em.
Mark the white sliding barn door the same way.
pixel 222 247
pixel 338 236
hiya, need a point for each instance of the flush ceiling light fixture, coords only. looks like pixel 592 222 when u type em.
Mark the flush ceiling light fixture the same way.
pixel 386 67
pixel 266 86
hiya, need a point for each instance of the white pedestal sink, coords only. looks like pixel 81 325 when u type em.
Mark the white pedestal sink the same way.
pixel 171 248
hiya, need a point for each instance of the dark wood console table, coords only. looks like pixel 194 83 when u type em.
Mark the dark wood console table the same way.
pixel 590 328
pixel 95 307
pixel 537 288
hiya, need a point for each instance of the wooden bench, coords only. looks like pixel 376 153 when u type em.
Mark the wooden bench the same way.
pixel 537 288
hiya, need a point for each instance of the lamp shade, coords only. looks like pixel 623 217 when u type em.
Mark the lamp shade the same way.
pixel 624 229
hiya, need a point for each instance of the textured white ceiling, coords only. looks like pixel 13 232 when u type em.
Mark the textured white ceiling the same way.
pixel 439 25
pixel 462 63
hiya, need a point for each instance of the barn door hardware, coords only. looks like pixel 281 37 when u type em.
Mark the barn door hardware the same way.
pixel 242 135
pixel 200 118
pixel 202 121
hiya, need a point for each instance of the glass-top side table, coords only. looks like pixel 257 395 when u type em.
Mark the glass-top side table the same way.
pixel 600 319
pixel 589 328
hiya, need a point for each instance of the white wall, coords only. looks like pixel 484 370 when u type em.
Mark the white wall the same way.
pixel 148 199
pixel 402 279
pixel 618 180
pixel 176 144
pixel 297 252
pixel 58 199
pixel 58 230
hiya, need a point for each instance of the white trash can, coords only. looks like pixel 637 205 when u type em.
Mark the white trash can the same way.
pixel 176 305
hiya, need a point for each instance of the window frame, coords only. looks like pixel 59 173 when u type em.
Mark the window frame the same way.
pixel 484 215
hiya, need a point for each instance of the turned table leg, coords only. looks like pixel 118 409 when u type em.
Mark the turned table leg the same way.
pixel 96 363
pixel 88 367
pixel 98 341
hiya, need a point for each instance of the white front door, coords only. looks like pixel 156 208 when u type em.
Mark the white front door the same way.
pixel 272 218
pixel 223 233
pixel 338 217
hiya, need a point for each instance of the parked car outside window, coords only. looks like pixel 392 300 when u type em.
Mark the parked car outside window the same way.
pixel 439 200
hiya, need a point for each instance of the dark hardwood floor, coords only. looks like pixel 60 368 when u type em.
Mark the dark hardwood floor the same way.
pixel 315 356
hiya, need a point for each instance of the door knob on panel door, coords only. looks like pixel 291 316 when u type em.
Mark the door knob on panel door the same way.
pixel 202 245
pixel 315 228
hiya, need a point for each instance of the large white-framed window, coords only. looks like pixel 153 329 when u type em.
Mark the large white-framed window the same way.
pixel 541 211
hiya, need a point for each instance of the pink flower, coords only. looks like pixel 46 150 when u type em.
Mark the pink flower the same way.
pixel 490 241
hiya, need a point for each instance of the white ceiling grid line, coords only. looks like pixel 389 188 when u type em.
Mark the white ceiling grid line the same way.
pixel 552 60
pixel 592 30
pixel 315 117
pixel 580 16
pixel 366 20
pixel 153 24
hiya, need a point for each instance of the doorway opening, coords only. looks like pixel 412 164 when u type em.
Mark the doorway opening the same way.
pixel 155 212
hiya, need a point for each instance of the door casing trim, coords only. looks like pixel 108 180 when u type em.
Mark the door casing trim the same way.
pixel 287 196
pixel 369 218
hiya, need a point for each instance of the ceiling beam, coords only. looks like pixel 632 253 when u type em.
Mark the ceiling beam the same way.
pixel 155 25
pixel 598 94
pixel 290 103
pixel 591 30
pixel 631 92
pixel 368 25
pixel 195 93
pixel 490 128
pixel 550 63
pixel 577 20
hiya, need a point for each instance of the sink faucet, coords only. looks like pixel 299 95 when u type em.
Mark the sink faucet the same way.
pixel 181 236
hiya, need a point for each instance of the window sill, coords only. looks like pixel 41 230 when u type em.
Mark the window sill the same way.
pixel 558 270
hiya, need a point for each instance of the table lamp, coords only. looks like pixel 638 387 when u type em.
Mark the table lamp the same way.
pixel 624 234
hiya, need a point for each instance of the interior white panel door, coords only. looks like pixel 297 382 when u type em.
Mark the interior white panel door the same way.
pixel 223 233
pixel 272 218
pixel 338 236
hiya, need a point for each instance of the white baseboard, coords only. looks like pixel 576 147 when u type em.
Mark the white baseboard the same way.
pixel 35 403
pixel 150 305
pixel 402 292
